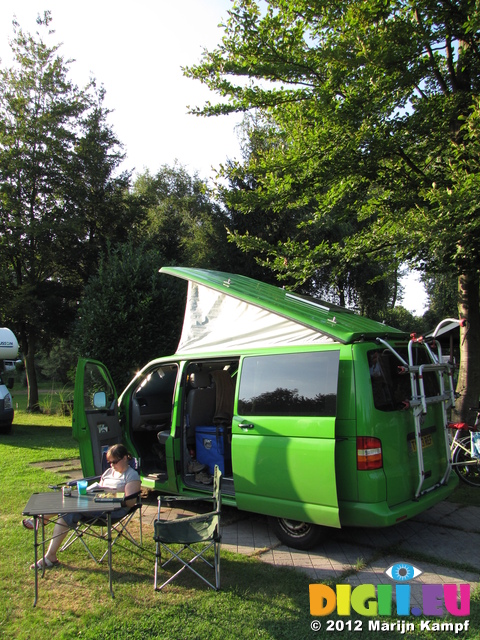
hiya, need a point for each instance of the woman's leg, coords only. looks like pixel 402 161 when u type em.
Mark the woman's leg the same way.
pixel 62 527
pixel 60 530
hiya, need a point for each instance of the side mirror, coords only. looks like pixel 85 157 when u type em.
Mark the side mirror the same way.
pixel 10 383
pixel 100 400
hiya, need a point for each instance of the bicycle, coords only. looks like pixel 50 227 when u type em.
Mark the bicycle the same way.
pixel 465 458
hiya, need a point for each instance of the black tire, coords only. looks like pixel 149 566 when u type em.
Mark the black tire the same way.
pixel 296 534
pixel 466 467
pixel 6 428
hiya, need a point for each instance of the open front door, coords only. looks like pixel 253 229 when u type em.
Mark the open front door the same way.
pixel 95 414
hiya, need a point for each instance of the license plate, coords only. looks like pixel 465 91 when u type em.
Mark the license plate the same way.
pixel 427 441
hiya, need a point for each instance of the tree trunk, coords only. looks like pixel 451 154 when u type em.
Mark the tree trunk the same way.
pixel 33 403
pixel 468 385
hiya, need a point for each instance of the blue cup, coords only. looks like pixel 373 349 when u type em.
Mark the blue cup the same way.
pixel 82 487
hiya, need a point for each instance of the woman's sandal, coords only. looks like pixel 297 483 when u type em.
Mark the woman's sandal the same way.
pixel 45 561
pixel 28 523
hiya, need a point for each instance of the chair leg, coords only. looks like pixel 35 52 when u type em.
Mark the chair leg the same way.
pixel 122 531
pixel 173 555
pixel 188 564
pixel 77 534
pixel 217 565
pixel 69 541
pixel 158 560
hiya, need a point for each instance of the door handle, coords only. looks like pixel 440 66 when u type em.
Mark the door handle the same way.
pixel 248 425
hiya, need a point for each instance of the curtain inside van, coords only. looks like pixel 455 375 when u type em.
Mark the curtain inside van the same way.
pixel 215 321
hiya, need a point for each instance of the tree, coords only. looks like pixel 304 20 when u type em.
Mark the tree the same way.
pixel 59 364
pixel 377 107
pixel 130 313
pixel 279 234
pixel 98 196
pixel 48 132
pixel 442 294
pixel 183 223
pixel 38 107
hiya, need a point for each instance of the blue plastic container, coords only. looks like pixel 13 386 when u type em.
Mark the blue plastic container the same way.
pixel 210 447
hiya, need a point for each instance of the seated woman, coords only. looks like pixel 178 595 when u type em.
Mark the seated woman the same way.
pixel 119 478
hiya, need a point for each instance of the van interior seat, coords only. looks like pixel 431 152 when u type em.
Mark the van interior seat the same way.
pixel 225 393
pixel 201 403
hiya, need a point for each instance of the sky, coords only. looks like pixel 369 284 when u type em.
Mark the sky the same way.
pixel 415 296
pixel 136 50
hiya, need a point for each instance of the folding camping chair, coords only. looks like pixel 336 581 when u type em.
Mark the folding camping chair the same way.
pixel 203 529
pixel 96 527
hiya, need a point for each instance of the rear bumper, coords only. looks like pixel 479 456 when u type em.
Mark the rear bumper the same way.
pixel 380 514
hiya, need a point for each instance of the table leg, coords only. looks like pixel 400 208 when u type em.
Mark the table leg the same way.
pixel 35 546
pixel 109 547
pixel 42 519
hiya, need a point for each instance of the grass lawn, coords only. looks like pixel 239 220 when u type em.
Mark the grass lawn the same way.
pixel 54 400
pixel 256 600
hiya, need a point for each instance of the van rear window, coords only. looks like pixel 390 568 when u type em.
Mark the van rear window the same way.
pixel 392 388
pixel 297 384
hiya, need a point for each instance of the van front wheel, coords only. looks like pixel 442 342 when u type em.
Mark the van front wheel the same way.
pixel 296 534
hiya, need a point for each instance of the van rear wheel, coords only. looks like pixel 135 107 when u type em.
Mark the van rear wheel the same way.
pixel 297 534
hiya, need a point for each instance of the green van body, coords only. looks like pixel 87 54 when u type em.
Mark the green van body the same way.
pixel 311 435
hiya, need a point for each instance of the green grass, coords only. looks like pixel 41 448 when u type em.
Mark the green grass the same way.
pixel 54 400
pixel 256 600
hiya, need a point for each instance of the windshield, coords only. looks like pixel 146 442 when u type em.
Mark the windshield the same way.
pixel 391 387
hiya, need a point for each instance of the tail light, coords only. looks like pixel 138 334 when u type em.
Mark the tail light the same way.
pixel 369 453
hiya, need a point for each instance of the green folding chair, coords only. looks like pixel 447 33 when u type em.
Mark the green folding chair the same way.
pixel 201 530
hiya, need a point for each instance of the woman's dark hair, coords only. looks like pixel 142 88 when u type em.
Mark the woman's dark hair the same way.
pixel 118 451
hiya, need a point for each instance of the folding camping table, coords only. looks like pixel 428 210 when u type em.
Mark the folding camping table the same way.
pixel 54 503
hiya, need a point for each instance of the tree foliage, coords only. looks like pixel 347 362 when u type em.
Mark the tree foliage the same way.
pixel 183 222
pixel 98 199
pixel 56 161
pixel 280 233
pixel 130 313
pixel 377 107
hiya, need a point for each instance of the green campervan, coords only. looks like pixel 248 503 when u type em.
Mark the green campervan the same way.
pixel 317 417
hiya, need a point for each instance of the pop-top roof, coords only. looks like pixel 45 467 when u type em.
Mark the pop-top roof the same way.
pixel 333 322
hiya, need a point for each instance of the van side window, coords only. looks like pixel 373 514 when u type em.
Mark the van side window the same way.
pixel 297 384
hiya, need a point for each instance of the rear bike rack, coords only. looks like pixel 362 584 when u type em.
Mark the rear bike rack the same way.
pixel 419 401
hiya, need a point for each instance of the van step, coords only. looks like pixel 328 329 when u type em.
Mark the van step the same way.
pixel 162 476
